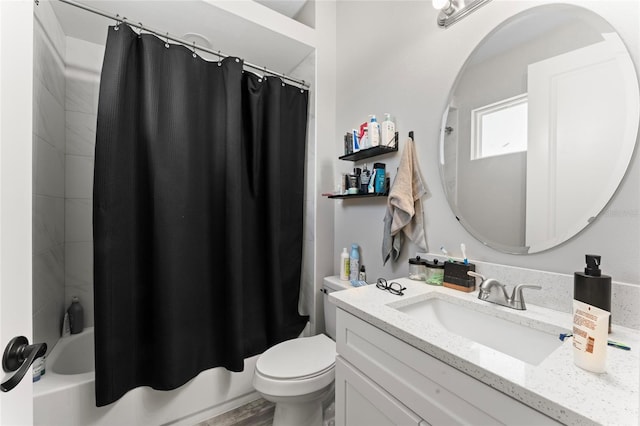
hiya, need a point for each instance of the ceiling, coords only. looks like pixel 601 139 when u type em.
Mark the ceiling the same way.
pixel 225 31
pixel 288 8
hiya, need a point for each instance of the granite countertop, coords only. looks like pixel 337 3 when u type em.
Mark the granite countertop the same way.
pixel 555 387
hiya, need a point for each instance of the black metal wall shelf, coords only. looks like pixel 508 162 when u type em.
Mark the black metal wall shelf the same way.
pixel 371 152
pixel 344 196
pixel 366 153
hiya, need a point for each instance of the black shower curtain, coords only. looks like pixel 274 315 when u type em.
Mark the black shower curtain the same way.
pixel 198 214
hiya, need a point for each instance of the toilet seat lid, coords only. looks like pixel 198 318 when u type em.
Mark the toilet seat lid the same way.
pixel 298 358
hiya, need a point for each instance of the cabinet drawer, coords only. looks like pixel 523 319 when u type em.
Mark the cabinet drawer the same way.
pixel 435 391
pixel 362 402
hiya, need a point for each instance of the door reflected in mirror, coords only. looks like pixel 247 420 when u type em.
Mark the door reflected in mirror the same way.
pixel 540 129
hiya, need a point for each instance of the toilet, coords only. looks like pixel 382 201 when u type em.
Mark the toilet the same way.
pixel 298 374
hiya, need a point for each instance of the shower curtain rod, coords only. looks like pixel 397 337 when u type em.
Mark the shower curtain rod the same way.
pixel 185 43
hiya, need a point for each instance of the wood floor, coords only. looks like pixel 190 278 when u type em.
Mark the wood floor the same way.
pixel 255 413
pixel 260 413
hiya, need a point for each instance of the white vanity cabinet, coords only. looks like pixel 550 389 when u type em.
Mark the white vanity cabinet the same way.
pixel 381 380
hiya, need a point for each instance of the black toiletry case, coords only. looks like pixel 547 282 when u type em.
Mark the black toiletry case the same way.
pixel 455 276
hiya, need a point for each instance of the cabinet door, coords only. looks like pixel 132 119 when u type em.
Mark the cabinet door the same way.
pixel 359 401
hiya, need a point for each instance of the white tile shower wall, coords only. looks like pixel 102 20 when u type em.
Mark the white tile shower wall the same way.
pixel 83 62
pixel 48 170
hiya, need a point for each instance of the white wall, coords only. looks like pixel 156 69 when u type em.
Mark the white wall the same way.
pixel 48 183
pixel 325 99
pixel 399 61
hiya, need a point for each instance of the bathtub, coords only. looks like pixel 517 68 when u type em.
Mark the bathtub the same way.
pixel 65 395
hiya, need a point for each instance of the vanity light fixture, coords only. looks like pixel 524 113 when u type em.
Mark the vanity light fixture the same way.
pixel 451 11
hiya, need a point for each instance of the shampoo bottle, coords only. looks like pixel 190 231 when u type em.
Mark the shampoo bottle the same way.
pixel 344 265
pixel 354 262
pixel 373 131
pixel 76 316
pixel 388 131
pixel 380 180
pixel 591 287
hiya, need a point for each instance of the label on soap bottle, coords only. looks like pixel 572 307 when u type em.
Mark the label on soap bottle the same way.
pixel 590 332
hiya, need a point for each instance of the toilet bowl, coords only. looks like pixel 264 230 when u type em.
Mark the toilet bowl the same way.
pixel 298 374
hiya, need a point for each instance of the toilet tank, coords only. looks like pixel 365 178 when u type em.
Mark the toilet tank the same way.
pixel 331 284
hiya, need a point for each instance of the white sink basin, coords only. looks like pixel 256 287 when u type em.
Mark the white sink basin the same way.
pixel 519 341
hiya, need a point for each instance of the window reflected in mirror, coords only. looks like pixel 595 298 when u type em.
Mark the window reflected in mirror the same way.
pixel 499 128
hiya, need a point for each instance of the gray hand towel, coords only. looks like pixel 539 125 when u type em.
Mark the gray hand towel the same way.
pixel 404 206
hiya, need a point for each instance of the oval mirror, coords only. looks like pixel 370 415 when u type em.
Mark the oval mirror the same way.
pixel 540 128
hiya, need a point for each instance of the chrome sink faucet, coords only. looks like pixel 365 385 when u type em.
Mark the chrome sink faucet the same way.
pixel 495 292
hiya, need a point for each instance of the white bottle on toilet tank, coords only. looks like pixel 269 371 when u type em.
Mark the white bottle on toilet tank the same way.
pixel 344 265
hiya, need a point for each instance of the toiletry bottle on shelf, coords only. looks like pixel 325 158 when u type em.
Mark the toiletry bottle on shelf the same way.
pixel 354 262
pixel 344 265
pixel 373 131
pixel 591 287
pixel 372 182
pixel 356 141
pixel 364 180
pixel 388 131
pixel 380 180
pixel 76 316
pixel 363 136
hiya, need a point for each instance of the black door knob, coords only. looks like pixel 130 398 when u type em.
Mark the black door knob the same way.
pixel 19 355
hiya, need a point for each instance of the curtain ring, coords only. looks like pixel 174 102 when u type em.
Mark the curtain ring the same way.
pixel 219 59
pixel 284 76
pixel 117 27
pixel 166 44
pixel 194 50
